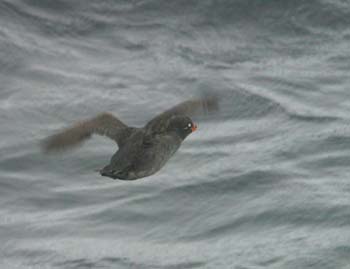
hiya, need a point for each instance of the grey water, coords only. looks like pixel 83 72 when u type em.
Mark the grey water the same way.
pixel 263 183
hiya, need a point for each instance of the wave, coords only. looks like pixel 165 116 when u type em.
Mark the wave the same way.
pixel 63 18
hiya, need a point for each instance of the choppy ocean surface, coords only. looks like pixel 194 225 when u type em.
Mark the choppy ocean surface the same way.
pixel 264 183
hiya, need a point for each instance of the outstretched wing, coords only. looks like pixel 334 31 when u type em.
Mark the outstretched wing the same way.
pixel 189 108
pixel 104 124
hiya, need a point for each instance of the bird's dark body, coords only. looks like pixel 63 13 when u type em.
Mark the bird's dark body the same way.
pixel 141 151
pixel 142 155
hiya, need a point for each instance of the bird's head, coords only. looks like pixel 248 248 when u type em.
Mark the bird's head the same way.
pixel 181 125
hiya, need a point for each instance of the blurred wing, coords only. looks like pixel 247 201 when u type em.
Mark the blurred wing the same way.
pixel 189 108
pixel 104 124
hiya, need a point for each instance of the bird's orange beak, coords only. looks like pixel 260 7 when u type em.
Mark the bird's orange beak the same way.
pixel 194 127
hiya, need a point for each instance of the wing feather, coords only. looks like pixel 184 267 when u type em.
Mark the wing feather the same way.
pixel 104 124
pixel 189 108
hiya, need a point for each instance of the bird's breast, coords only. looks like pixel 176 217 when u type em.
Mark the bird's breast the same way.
pixel 155 155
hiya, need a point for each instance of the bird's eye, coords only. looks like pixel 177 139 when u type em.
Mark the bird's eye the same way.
pixel 188 126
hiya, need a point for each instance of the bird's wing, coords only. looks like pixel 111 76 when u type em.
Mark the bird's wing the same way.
pixel 104 124
pixel 189 108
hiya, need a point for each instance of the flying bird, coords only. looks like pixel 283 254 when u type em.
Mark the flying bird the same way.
pixel 141 151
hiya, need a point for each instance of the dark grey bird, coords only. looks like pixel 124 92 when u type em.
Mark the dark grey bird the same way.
pixel 141 151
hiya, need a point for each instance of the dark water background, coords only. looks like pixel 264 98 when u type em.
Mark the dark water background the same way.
pixel 262 184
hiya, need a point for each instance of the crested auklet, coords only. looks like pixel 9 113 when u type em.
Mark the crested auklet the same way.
pixel 141 151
